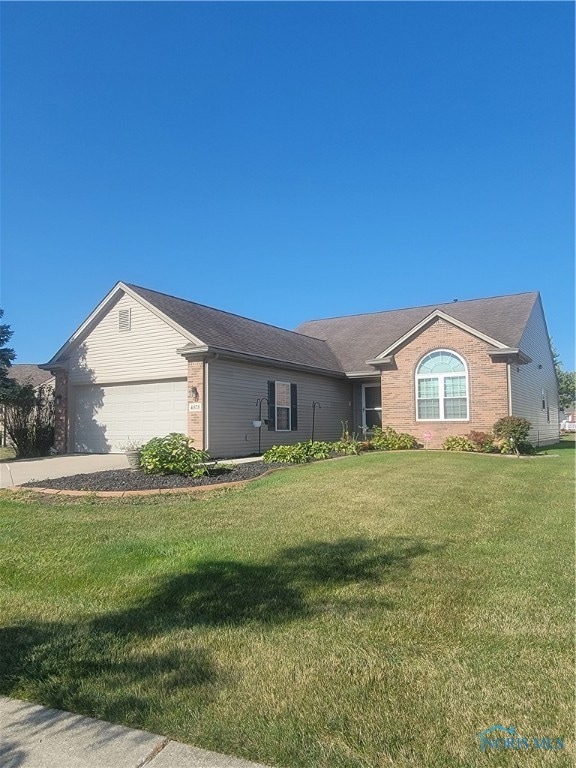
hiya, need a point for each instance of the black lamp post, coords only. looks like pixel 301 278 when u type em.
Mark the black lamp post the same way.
pixel 259 423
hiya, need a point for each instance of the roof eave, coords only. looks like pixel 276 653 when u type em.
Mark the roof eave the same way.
pixel 196 352
pixel 510 355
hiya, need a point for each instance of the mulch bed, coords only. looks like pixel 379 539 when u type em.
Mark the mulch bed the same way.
pixel 131 480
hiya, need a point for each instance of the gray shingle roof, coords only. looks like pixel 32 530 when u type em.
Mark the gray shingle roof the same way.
pixel 357 338
pixel 240 334
pixel 28 373
pixel 339 343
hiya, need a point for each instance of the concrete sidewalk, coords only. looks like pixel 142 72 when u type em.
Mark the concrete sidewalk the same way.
pixel 37 737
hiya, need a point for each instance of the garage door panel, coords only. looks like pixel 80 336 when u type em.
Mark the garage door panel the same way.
pixel 106 417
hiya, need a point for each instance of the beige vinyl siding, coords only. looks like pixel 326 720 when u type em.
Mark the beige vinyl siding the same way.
pixel 146 351
pixel 528 381
pixel 233 389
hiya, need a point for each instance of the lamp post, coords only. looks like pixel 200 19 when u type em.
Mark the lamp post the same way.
pixel 259 422
pixel 315 404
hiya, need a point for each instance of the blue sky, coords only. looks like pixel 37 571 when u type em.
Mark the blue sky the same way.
pixel 285 161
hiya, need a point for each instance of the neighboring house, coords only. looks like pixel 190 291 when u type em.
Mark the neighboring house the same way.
pixel 145 364
pixel 28 373
pixel 25 373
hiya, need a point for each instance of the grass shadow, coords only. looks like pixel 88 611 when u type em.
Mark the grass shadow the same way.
pixel 116 666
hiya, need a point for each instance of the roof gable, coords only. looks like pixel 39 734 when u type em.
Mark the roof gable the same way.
pixel 356 339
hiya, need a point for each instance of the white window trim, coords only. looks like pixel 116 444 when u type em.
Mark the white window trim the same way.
pixel 365 427
pixel 276 406
pixel 441 377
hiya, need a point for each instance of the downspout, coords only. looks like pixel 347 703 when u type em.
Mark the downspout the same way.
pixel 206 420
pixel 509 382
pixel 207 400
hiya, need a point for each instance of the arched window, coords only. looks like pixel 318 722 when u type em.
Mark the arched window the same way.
pixel 442 387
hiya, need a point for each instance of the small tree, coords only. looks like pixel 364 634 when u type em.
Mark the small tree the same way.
pixel 514 430
pixel 566 381
pixel 29 419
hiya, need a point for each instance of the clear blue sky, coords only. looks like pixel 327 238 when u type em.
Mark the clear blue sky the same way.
pixel 285 161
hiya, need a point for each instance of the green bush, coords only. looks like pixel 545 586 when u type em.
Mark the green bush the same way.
pixel 388 439
pixel 512 428
pixel 350 447
pixel 173 455
pixel 523 448
pixel 458 443
pixel 512 434
pixel 287 454
pixel 299 453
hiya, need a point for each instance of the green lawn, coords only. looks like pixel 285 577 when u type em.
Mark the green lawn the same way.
pixel 7 454
pixel 371 611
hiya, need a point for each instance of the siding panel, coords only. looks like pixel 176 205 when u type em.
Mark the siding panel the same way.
pixel 146 351
pixel 233 389
pixel 528 381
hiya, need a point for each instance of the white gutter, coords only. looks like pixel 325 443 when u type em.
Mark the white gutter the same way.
pixel 206 419
pixel 509 380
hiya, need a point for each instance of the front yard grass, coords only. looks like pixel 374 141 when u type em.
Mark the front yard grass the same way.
pixel 372 611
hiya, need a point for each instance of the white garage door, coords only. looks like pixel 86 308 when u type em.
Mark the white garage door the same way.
pixel 104 418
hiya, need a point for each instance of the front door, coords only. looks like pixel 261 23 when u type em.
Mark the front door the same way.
pixel 371 406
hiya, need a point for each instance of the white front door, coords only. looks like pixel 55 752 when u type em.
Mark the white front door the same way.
pixel 371 406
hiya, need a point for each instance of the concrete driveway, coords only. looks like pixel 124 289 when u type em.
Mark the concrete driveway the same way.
pixel 26 470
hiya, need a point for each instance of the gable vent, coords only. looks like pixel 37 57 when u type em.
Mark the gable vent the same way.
pixel 123 319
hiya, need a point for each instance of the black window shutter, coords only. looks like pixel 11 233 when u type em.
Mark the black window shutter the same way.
pixel 293 407
pixel 271 406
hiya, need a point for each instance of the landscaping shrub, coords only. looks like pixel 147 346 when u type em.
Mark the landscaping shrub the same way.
pixel 350 447
pixel 299 453
pixel 483 442
pixel 512 435
pixel 458 443
pixel 388 439
pixel 287 454
pixel 173 455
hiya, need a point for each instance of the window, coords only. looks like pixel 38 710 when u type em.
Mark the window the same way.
pixel 282 411
pixel 124 319
pixel 442 387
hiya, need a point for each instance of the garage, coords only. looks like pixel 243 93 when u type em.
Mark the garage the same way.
pixel 103 418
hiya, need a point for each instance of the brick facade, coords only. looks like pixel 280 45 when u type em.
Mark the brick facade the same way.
pixel 61 412
pixel 196 398
pixel 487 382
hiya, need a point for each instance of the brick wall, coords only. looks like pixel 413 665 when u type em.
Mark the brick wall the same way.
pixel 196 395
pixel 487 380
pixel 61 412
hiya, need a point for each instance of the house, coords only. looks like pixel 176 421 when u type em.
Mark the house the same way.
pixel 145 364
pixel 29 373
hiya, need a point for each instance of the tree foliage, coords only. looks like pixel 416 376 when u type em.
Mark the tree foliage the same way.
pixel 566 382
pixel 7 355
pixel 29 419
